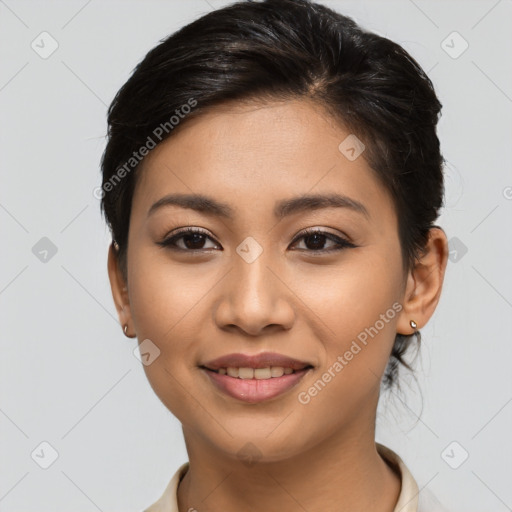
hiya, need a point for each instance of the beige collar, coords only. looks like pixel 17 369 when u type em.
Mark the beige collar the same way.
pixel 407 501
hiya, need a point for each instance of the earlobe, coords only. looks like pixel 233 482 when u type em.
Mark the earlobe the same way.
pixel 119 290
pixel 424 284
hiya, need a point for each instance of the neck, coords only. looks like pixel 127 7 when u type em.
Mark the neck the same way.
pixel 343 473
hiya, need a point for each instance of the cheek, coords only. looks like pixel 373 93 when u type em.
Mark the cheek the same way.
pixel 352 296
pixel 358 305
pixel 164 303
pixel 164 294
pixel 358 309
pixel 164 314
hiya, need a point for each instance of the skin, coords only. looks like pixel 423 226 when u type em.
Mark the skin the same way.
pixel 311 307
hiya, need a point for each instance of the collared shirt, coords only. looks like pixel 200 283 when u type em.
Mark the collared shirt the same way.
pixel 409 500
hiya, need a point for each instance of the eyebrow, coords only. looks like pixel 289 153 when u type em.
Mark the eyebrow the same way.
pixel 283 208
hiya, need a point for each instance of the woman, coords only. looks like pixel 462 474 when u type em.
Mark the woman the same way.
pixel 271 180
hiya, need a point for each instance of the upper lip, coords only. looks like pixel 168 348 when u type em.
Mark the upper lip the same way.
pixel 263 360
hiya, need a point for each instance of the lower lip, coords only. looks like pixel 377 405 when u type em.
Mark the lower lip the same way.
pixel 255 390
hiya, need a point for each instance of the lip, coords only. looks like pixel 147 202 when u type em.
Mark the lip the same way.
pixel 262 360
pixel 255 390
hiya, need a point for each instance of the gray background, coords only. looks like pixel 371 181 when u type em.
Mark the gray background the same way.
pixel 68 376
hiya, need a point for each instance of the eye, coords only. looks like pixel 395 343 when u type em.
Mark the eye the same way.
pixel 192 240
pixel 316 238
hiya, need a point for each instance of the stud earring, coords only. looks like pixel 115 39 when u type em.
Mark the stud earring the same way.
pixel 413 324
pixel 125 330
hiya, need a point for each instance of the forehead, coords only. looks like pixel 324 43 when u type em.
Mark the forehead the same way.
pixel 244 153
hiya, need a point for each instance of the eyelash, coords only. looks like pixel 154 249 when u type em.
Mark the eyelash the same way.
pixel 342 243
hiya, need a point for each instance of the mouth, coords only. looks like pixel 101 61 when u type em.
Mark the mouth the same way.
pixel 257 378
pixel 265 373
pixel 241 365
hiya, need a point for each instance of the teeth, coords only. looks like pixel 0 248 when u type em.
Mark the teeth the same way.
pixel 232 372
pixel 276 371
pixel 262 373
pixel 255 373
pixel 245 373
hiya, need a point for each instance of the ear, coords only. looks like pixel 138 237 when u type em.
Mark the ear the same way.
pixel 119 289
pixel 424 283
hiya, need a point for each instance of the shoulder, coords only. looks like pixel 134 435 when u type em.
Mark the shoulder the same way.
pixel 168 501
pixel 412 498
pixel 428 502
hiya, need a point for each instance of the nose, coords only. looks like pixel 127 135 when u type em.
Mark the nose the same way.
pixel 254 299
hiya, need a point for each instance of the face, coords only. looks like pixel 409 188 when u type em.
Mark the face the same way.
pixel 249 280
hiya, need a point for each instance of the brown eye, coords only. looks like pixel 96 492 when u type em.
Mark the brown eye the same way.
pixel 315 240
pixel 190 240
pixel 187 240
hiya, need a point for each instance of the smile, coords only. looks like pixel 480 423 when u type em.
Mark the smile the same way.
pixel 270 372
pixel 255 385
